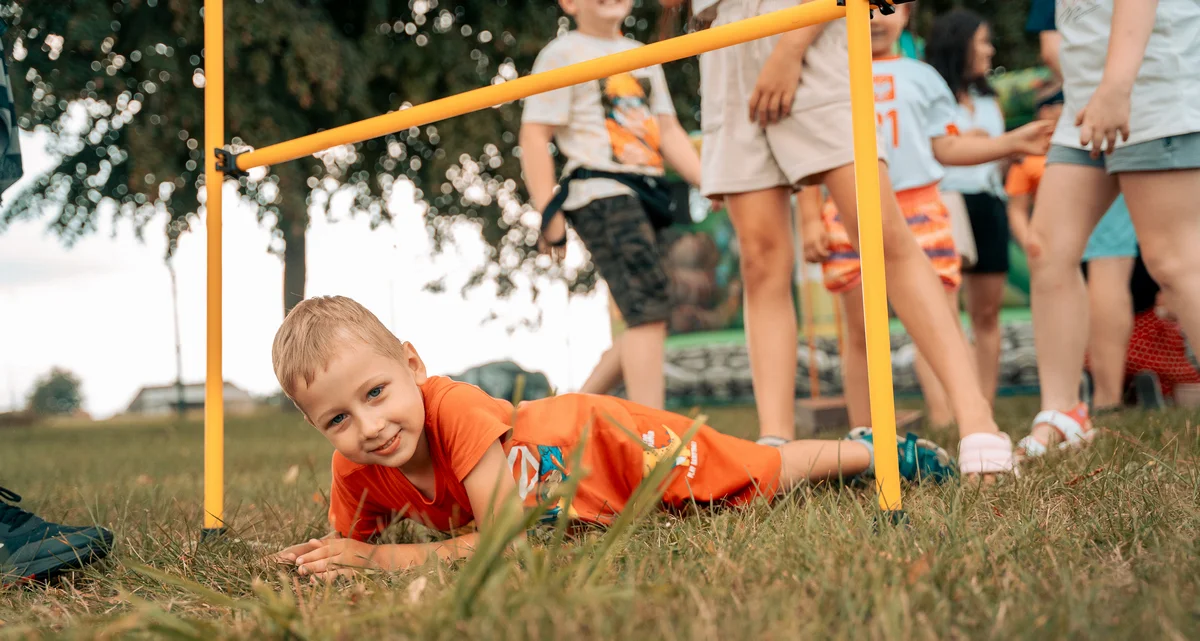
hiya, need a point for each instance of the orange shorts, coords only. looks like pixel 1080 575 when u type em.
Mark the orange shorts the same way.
pixel 929 221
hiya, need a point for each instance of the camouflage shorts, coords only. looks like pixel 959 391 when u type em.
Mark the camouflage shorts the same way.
pixel 629 255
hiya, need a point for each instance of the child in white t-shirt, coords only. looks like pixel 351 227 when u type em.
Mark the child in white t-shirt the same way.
pixel 624 125
pixel 1131 125
pixel 916 111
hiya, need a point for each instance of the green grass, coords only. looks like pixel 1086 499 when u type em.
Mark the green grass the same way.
pixel 1101 544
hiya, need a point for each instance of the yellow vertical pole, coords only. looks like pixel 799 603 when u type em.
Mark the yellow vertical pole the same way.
pixel 870 239
pixel 214 387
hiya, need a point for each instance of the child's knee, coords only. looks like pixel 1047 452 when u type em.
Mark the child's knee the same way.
pixel 765 258
pixel 1170 270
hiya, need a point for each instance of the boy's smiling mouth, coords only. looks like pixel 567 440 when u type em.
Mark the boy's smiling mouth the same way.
pixel 388 447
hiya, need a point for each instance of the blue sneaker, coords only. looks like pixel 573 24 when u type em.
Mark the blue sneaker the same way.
pixel 920 459
pixel 33 549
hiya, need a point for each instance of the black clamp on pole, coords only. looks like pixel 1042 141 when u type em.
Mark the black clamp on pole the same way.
pixel 885 7
pixel 227 163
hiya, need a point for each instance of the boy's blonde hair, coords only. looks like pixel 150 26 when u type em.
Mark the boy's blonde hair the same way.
pixel 316 328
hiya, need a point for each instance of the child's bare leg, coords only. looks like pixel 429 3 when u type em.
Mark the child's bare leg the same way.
pixel 937 402
pixel 762 220
pixel 1070 202
pixel 607 373
pixel 854 360
pixel 984 294
pixel 1162 205
pixel 641 354
pixel 1111 310
pixel 914 290
pixel 821 460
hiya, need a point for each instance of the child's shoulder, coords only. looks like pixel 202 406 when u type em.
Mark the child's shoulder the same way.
pixel 575 46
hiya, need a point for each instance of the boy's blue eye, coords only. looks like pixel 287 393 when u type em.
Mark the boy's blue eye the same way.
pixel 375 392
pixel 337 420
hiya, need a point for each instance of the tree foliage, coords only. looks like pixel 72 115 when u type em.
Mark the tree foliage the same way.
pixel 118 83
pixel 58 392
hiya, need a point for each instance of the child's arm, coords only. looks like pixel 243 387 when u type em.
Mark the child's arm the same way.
pixel 1032 139
pixel 488 486
pixel 772 97
pixel 812 228
pixel 1018 217
pixel 678 150
pixel 1107 113
pixel 537 165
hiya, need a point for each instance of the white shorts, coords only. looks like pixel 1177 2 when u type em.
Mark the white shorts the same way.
pixel 740 156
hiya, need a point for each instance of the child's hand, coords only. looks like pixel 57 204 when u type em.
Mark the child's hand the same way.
pixel 1104 116
pixel 330 558
pixel 816 242
pixel 1033 139
pixel 771 100
pixel 289 555
pixel 555 231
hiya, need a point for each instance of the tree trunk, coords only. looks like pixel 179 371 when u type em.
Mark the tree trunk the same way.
pixel 293 222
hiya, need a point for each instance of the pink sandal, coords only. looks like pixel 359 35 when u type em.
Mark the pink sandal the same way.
pixel 1074 426
pixel 986 453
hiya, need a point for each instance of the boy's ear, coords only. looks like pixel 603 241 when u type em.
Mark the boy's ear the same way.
pixel 413 360
pixel 568 7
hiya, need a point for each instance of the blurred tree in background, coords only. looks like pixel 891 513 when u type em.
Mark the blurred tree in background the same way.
pixel 58 392
pixel 119 85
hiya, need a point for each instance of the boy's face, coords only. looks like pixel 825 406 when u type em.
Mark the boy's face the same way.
pixel 597 12
pixel 886 30
pixel 368 405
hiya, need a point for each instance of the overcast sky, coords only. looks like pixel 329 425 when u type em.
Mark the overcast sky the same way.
pixel 102 309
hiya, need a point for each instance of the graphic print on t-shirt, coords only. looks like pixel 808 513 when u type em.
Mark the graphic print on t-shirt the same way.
pixel 632 126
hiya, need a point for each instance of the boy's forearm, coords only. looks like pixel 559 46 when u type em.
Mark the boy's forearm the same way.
pixel 797 42
pixel 1018 218
pixel 1051 44
pixel 1132 24
pixel 678 151
pixel 538 168
pixel 972 150
pixel 400 556
pixel 808 201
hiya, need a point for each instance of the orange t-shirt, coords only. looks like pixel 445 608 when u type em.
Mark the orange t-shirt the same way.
pixel 1024 177
pixel 539 437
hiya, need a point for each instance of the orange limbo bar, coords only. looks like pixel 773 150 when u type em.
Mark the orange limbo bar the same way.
pixel 804 15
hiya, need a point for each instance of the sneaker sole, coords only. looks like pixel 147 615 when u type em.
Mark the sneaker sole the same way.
pixel 56 556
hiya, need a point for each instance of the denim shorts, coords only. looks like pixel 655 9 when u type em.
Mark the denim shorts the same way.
pixel 1172 152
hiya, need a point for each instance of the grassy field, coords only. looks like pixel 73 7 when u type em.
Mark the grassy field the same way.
pixel 1102 544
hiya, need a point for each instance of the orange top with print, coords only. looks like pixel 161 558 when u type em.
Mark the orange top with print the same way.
pixel 624 443
pixel 1025 176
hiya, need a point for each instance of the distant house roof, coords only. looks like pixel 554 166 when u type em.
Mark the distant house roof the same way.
pixel 157 398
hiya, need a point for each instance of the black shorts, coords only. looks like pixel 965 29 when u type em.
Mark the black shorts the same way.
pixel 989 225
pixel 629 255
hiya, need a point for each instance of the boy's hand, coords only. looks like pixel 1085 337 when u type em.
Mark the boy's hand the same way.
pixel 331 558
pixel 1104 117
pixel 1033 139
pixel 816 241
pixel 555 232
pixel 771 100
pixel 289 555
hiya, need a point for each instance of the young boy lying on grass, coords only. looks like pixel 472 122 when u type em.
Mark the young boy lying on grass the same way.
pixel 446 454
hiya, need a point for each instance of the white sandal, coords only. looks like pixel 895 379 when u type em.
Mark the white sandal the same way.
pixel 1075 428
pixel 986 453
